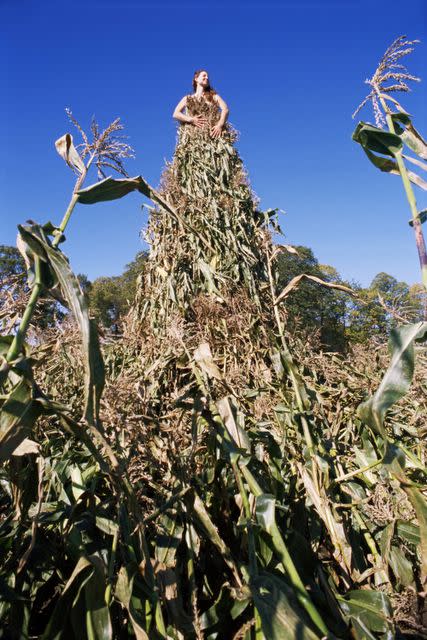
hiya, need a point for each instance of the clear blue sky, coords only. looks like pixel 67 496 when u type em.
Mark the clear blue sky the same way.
pixel 292 73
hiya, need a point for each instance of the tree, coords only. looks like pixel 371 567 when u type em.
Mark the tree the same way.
pixel 13 287
pixel 11 264
pixel 311 307
pixel 386 303
pixel 111 297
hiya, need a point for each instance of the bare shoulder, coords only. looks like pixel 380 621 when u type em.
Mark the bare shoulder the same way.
pixel 218 99
pixel 221 102
pixel 182 103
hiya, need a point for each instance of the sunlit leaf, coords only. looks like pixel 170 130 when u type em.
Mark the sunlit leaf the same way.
pixel 397 378
pixel 401 567
pixel 374 141
pixel 409 531
pixel 377 140
pixel 295 282
pixel 69 153
pixel 409 134
pixel 26 447
pixel 203 357
pixel 230 420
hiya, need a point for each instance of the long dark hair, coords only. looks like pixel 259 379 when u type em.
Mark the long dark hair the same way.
pixel 209 92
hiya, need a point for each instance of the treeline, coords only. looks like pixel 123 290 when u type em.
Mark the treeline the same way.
pixel 338 318
pixel 332 318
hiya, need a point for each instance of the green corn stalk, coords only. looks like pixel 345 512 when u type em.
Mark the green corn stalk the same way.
pixel 37 290
pixel 373 140
pixel 418 231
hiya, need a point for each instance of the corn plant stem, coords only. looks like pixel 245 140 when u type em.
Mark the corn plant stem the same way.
pixel 192 581
pixel 19 338
pixel 111 568
pixel 381 574
pixel 18 341
pixel 419 236
pixel 297 383
pixel 357 472
pixel 73 201
pixel 247 509
pixel 286 559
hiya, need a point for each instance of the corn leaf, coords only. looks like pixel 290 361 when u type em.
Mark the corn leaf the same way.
pixel 124 593
pixel 69 153
pixel 76 300
pixel 419 503
pixel 409 134
pixel 377 140
pixel 112 189
pixel 397 378
pixel 374 141
pixel 18 409
pixel 279 612
pixel 98 623
pixel 371 607
pixel 295 282
pixel 18 415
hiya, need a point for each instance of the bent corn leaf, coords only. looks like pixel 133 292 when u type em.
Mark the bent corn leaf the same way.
pixel 374 140
pixel 69 153
pixel 295 282
pixel 236 432
pixel 398 377
pixel 112 189
pixel 409 134
pixel 203 357
pixel 377 140
pixel 76 300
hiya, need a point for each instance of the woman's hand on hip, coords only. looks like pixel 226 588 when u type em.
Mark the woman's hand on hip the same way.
pixel 216 130
pixel 199 121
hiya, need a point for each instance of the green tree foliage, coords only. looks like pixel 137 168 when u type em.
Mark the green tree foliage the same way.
pixel 310 307
pixel 111 297
pixel 338 318
pixel 13 282
pixel 11 263
pixel 382 306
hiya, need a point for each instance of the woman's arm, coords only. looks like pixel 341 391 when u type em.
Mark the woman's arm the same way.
pixel 217 129
pixel 178 114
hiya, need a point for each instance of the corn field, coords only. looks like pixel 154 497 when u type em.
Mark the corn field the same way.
pixel 209 475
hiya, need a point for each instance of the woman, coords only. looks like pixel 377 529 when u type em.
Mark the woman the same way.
pixel 199 250
pixel 202 107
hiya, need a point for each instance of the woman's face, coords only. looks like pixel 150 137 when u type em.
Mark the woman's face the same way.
pixel 203 79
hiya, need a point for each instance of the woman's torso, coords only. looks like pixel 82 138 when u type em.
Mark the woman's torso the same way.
pixel 203 107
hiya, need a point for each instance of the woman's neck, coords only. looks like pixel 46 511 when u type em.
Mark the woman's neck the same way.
pixel 199 91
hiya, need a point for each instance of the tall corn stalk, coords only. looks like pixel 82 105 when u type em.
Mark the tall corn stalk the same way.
pixel 392 76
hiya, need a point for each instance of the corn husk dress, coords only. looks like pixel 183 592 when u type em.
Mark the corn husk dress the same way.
pixel 211 244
